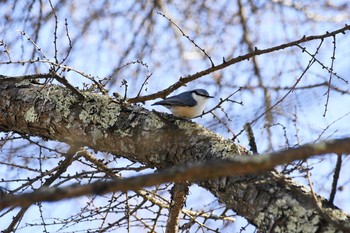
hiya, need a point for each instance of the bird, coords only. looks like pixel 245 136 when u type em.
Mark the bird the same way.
pixel 187 104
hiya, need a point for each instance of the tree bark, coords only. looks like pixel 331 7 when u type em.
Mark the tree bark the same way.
pixel 271 201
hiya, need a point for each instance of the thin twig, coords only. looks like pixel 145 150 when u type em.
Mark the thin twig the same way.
pixel 223 123
pixel 65 67
pixel 227 99
pixel 69 42
pixel 146 79
pixel 35 45
pixel 183 80
pixel 191 40
pixel 311 62
pixel 3 44
pixel 55 31
pixel 330 77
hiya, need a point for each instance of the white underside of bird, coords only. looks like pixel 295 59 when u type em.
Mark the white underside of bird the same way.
pixel 190 112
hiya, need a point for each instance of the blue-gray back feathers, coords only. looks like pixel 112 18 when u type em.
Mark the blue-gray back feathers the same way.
pixel 183 99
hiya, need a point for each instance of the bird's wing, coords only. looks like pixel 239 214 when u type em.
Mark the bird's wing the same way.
pixel 182 99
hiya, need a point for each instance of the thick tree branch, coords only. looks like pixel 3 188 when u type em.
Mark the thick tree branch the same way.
pixel 268 200
pixel 179 194
pixel 193 172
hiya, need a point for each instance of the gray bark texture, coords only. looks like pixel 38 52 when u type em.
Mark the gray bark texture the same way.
pixel 271 201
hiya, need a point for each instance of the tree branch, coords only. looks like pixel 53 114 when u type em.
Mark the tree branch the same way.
pixel 179 194
pixel 183 80
pixel 267 200
pixel 193 172
pixel 335 178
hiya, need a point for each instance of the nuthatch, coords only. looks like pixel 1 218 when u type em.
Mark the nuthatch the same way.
pixel 188 104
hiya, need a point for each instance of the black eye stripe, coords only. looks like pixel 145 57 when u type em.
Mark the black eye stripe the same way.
pixel 202 92
pixel 204 95
pixel 199 93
